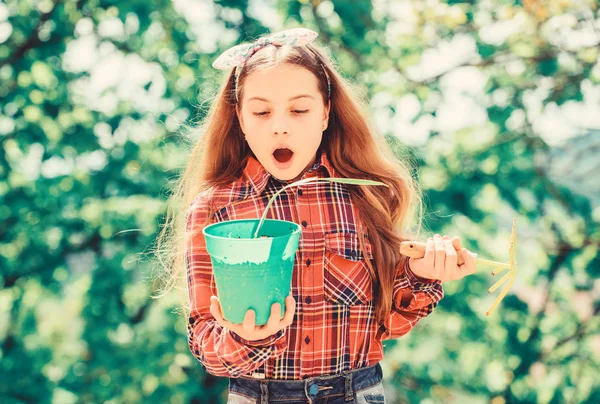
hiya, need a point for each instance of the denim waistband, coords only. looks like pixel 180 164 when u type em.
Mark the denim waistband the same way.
pixel 309 389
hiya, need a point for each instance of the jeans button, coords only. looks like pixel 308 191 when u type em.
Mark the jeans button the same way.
pixel 314 389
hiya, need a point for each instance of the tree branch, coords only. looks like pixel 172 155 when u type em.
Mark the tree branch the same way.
pixel 579 333
pixel 93 242
pixel 33 38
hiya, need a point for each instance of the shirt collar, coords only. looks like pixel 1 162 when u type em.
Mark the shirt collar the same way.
pixel 258 177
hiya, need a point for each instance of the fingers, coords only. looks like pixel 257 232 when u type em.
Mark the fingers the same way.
pixel 290 310
pixel 450 266
pixel 440 256
pixel 275 323
pixel 248 329
pixel 429 258
pixel 215 309
pixel 470 265
pixel 249 323
pixel 274 318
pixel 456 243
pixel 423 266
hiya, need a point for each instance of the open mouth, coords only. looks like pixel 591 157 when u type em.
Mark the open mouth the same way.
pixel 283 155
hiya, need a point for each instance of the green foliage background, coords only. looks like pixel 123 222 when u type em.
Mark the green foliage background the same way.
pixel 92 98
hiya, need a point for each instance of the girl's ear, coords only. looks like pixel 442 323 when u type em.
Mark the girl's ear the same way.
pixel 326 114
pixel 239 116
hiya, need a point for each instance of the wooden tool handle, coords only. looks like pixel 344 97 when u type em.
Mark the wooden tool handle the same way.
pixel 416 249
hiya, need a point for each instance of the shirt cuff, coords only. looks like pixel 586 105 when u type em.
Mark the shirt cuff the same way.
pixel 270 340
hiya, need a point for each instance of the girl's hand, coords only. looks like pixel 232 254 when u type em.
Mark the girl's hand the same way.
pixel 248 329
pixel 441 260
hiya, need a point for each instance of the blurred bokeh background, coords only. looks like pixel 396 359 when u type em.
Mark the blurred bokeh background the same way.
pixel 497 102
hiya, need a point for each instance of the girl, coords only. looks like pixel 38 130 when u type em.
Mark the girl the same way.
pixel 282 114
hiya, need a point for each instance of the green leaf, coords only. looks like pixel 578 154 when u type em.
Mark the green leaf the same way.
pixel 352 181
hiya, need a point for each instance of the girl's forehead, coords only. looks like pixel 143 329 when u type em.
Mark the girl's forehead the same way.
pixel 282 82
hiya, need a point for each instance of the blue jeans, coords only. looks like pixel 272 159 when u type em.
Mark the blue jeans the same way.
pixel 362 385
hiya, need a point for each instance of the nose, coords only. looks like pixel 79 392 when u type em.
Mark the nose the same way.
pixel 280 124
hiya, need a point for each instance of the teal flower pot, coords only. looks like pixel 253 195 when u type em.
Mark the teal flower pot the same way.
pixel 252 273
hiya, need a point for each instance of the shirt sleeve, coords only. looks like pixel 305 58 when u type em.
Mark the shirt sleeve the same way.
pixel 413 298
pixel 220 351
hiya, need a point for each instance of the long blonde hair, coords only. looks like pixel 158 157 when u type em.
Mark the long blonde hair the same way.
pixel 350 145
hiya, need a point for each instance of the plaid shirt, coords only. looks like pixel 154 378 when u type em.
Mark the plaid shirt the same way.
pixel 334 327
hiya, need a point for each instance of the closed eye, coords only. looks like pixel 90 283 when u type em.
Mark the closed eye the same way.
pixel 295 111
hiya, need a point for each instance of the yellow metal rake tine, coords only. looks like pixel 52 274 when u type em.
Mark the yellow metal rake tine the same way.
pixel 512 274
pixel 500 282
pixel 499 269
pixel 503 265
pixel 500 296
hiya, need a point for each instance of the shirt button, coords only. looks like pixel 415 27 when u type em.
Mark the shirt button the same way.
pixel 307 340
pixel 305 376
pixel 300 192
pixel 308 299
pixel 304 223
pixel 308 262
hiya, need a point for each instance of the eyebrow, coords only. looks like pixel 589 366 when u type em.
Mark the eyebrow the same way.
pixel 291 99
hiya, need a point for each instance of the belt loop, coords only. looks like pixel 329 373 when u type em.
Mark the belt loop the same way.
pixel 349 392
pixel 264 392
pixel 307 382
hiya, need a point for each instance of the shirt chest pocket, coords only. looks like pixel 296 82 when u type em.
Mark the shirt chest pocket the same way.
pixel 346 278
